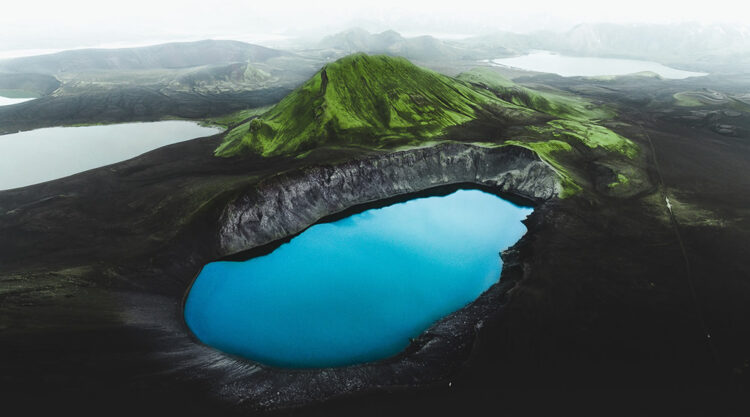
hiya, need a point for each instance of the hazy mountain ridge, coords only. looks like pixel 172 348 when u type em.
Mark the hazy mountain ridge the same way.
pixel 420 48
pixel 192 79
pixel 164 56
pixel 25 85
pixel 226 77
pixel 671 41
pixel 710 48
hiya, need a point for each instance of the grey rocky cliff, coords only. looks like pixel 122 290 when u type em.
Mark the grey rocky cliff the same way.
pixel 286 204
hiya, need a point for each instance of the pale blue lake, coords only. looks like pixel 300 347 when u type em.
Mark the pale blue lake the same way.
pixel 569 66
pixel 7 101
pixel 356 290
pixel 41 155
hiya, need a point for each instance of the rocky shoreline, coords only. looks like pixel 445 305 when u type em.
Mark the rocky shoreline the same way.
pixel 140 290
pixel 287 204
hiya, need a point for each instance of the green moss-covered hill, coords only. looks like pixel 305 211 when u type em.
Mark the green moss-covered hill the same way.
pixel 374 101
pixel 553 103
pixel 382 102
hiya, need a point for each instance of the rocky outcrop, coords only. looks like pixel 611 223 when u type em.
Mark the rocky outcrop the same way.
pixel 287 204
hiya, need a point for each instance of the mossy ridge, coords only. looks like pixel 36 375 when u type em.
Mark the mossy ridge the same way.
pixel 685 99
pixel 557 104
pixel 546 151
pixel 565 134
pixel 591 135
pixel 378 101
pixel 621 180
pixel 228 120
pixel 575 121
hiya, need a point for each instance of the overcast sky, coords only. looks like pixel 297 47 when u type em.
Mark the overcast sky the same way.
pixel 51 25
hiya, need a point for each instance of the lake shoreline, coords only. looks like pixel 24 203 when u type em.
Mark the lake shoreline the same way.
pixel 589 66
pixel 251 308
pixel 68 150
pixel 10 101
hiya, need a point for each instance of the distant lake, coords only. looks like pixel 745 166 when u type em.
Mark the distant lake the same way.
pixel 356 290
pixel 7 101
pixel 569 66
pixel 41 155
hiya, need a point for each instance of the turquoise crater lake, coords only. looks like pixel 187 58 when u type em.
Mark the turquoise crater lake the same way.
pixel 357 289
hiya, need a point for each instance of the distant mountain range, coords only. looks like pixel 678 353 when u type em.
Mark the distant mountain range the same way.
pixel 208 66
pixel 165 56
pixel 692 46
pixel 712 48
pixel 191 79
pixel 420 48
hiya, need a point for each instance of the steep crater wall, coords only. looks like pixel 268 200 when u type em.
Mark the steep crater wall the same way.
pixel 288 203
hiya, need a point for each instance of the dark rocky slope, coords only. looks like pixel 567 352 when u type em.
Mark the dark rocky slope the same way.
pixel 185 80
pixel 130 104
pixel 28 85
pixel 124 255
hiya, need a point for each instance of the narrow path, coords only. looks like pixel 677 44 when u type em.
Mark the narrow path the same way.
pixel 688 272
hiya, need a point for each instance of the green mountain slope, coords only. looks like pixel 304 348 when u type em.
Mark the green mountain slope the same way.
pixel 375 101
pixel 553 103
pixel 571 137
pixel 380 102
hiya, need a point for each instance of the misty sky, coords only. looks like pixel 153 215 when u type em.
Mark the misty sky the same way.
pixel 50 25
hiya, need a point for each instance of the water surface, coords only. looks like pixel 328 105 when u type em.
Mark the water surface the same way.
pixel 568 66
pixel 45 154
pixel 7 101
pixel 356 290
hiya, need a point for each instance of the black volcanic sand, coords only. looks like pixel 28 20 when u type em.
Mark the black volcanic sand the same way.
pixel 602 322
